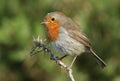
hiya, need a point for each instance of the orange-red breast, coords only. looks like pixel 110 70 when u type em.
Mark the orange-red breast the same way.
pixel 67 37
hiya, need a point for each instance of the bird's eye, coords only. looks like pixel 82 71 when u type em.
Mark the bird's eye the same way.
pixel 52 19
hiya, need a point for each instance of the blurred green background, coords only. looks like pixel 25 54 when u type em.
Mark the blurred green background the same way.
pixel 20 20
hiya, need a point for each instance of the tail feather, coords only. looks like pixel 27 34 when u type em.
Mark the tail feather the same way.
pixel 98 59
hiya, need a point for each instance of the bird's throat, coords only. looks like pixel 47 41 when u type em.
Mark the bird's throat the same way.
pixel 53 34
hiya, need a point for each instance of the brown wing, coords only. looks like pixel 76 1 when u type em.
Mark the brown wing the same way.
pixel 76 33
pixel 79 36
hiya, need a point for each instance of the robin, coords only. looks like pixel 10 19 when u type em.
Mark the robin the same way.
pixel 67 37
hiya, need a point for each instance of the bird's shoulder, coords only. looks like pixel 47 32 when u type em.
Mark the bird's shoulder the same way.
pixel 76 33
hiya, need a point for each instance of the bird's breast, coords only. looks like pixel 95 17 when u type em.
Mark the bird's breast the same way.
pixel 53 34
pixel 67 45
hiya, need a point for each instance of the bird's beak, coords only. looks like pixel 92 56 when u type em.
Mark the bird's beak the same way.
pixel 44 22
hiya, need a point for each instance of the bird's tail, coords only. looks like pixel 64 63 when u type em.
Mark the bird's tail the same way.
pixel 98 59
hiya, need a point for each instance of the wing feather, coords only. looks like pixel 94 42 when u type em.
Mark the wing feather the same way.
pixel 79 36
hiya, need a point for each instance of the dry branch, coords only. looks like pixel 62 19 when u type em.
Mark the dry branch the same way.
pixel 39 46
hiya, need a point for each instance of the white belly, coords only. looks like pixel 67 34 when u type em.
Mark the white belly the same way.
pixel 67 45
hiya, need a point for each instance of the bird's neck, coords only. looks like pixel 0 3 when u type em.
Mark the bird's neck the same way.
pixel 53 34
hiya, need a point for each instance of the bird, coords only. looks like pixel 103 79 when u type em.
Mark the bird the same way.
pixel 67 37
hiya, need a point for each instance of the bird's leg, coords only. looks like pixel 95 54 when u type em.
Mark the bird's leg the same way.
pixel 72 61
pixel 62 57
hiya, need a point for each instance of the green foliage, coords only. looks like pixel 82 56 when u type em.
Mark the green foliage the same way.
pixel 20 20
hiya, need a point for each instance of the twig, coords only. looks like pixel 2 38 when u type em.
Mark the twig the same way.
pixel 40 46
pixel 69 70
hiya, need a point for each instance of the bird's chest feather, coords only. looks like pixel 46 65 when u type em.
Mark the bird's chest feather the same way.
pixel 53 34
pixel 67 45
